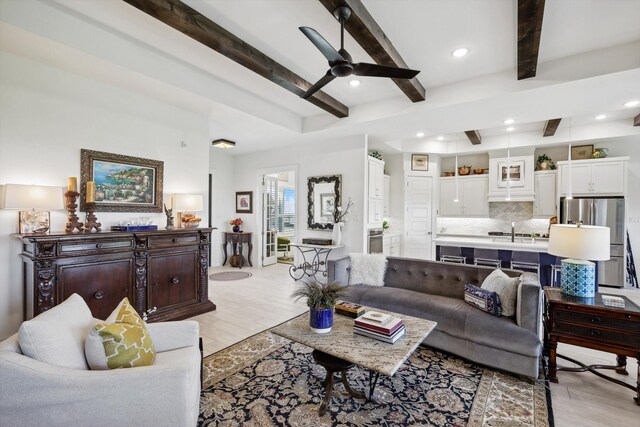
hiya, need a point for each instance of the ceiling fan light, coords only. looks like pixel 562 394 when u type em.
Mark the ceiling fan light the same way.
pixel 354 83
pixel 460 52
pixel 223 143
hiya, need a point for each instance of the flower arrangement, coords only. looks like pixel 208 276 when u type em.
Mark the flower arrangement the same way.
pixel 236 222
pixel 341 214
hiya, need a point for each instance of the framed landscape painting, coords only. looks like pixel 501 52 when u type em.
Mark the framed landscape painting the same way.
pixel 516 171
pixel 419 162
pixel 123 183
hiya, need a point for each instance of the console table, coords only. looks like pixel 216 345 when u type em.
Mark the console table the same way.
pixel 162 272
pixel 314 260
pixel 236 240
pixel 587 322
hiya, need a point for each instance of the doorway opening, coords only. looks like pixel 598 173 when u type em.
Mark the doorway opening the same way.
pixel 278 217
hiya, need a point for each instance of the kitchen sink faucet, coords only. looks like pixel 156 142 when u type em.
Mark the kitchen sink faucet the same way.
pixel 513 232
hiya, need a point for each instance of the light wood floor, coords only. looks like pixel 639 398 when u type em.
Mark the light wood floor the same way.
pixel 247 307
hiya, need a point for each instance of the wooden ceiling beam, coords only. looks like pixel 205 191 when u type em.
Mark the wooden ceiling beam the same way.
pixel 530 13
pixel 368 34
pixel 636 120
pixel 474 136
pixel 551 126
pixel 200 28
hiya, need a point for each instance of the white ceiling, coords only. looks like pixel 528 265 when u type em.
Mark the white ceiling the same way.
pixel 589 64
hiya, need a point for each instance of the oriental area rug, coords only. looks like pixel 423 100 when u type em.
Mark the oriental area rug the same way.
pixel 267 380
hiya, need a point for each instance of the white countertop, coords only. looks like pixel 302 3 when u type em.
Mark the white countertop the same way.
pixel 491 242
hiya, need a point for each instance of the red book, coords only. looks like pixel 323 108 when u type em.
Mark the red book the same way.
pixel 388 328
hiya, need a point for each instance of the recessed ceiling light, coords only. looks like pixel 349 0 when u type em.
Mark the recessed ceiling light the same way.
pixel 459 53
pixel 420 134
pixel 440 138
pixel 509 122
pixel 633 103
pixel 354 83
pixel 601 116
pixel 223 143
pixel 510 129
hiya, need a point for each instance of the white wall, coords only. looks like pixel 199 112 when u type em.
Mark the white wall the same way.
pixel 222 199
pixel 48 115
pixel 346 156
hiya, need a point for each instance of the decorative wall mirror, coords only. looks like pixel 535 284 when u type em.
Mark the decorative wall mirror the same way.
pixel 324 196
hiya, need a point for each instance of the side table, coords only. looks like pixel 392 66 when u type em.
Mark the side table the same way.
pixel 314 260
pixel 236 240
pixel 587 322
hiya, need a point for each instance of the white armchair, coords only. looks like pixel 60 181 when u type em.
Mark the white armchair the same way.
pixel 167 393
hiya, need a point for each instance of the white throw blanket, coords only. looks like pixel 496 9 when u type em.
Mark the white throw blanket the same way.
pixel 367 269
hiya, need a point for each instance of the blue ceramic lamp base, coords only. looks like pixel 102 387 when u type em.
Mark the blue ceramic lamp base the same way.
pixel 578 278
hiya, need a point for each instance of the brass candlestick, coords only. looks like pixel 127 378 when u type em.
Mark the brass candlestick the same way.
pixel 73 221
pixel 92 221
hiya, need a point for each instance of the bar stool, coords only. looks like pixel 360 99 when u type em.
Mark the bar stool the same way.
pixel 556 269
pixel 452 254
pixel 487 257
pixel 528 261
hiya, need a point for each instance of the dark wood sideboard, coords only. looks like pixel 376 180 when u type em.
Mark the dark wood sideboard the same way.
pixel 162 272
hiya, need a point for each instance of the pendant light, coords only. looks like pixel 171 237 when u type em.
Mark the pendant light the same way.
pixel 508 196
pixel 569 178
pixel 456 172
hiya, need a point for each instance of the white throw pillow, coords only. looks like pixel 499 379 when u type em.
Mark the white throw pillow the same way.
pixel 506 288
pixel 367 269
pixel 57 335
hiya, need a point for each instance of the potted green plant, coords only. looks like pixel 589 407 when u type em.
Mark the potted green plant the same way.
pixel 545 163
pixel 321 299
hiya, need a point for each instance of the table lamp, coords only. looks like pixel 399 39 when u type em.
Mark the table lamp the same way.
pixel 581 244
pixel 185 206
pixel 34 203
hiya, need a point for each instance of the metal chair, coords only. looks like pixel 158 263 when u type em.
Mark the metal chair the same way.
pixel 556 269
pixel 528 261
pixel 487 257
pixel 452 254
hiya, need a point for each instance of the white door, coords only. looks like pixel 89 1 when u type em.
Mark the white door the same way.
pixel 269 220
pixel 417 242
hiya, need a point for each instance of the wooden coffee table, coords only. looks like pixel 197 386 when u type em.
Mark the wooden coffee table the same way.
pixel 337 351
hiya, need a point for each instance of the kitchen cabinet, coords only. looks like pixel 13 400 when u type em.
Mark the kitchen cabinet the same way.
pixel 472 196
pixel 375 192
pixel 544 205
pixel 597 177
pixel 391 244
pixel 386 195
pixel 162 272
pixel 522 185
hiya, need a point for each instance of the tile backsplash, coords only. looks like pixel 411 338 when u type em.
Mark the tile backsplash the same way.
pixel 500 217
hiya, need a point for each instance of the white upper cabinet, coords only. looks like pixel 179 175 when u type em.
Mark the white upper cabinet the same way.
pixel 386 195
pixel 545 204
pixel 375 192
pixel 472 196
pixel 522 187
pixel 597 177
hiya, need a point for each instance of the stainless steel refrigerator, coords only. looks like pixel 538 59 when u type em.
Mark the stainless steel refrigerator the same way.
pixel 606 212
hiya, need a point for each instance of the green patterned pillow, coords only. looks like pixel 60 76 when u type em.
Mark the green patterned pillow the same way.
pixel 123 344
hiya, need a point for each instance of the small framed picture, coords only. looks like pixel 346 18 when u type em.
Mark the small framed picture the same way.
pixel 244 201
pixel 581 152
pixel 516 174
pixel 33 222
pixel 419 162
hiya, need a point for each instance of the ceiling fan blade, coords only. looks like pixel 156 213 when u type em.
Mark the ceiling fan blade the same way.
pixel 375 70
pixel 318 85
pixel 327 50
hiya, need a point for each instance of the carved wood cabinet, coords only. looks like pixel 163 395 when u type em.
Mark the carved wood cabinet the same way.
pixel 162 272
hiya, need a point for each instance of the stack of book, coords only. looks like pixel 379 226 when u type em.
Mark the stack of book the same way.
pixel 349 309
pixel 380 326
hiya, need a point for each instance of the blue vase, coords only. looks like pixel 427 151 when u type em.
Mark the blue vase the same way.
pixel 236 228
pixel 321 320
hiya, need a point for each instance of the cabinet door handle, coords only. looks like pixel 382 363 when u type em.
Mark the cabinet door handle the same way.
pixel 98 245
pixel 98 295
pixel 596 319
pixel 595 333
pixel 175 280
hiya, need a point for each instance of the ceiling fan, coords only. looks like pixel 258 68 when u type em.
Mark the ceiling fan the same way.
pixel 341 62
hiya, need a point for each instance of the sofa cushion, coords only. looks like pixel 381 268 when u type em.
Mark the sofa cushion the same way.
pixel 487 301
pixel 367 269
pixel 506 287
pixel 123 344
pixel 57 336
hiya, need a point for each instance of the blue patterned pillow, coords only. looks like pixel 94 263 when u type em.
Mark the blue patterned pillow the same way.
pixel 484 300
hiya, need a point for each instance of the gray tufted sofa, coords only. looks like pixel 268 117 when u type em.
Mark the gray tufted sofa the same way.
pixel 435 291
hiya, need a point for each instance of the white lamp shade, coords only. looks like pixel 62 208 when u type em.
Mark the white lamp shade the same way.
pixel 586 242
pixel 37 197
pixel 188 202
